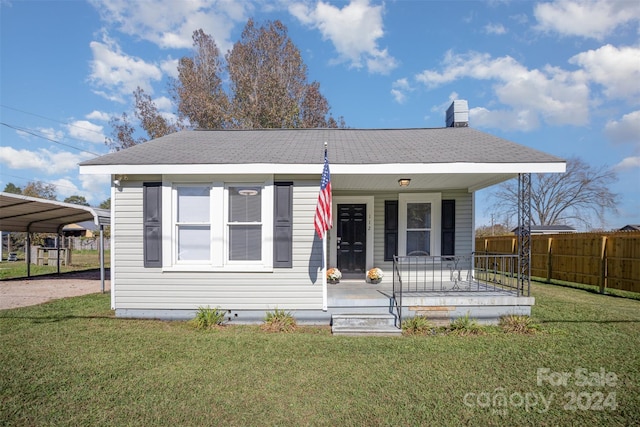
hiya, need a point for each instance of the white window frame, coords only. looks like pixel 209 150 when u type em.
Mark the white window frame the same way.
pixel 219 211
pixel 266 214
pixel 436 218
pixel 176 224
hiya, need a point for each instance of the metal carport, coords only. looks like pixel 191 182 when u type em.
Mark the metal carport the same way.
pixel 20 213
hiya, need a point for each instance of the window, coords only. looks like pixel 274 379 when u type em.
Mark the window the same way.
pixel 419 224
pixel 217 226
pixel 245 223
pixel 193 223
pixel 418 229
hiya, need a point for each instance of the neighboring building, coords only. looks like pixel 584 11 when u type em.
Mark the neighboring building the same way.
pixel 548 229
pixel 631 227
pixel 81 229
pixel 225 218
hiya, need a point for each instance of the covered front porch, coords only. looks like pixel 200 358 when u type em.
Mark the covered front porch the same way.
pixel 441 288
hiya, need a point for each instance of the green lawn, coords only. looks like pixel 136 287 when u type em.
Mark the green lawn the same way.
pixel 80 260
pixel 70 362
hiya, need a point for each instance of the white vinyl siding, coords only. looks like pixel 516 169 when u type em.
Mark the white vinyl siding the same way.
pixel 297 288
pixel 139 288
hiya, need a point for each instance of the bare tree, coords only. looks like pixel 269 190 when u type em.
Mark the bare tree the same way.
pixel 579 196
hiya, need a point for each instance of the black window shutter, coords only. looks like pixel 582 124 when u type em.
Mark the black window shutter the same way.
pixel 390 229
pixel 283 225
pixel 152 223
pixel 448 227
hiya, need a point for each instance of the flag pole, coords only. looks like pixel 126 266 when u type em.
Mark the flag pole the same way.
pixel 325 298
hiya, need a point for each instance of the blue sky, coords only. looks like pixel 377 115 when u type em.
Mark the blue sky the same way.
pixel 560 76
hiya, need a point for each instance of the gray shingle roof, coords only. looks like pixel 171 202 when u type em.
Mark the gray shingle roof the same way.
pixel 346 146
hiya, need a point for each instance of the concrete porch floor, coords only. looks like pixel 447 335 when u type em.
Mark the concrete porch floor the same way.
pixel 484 302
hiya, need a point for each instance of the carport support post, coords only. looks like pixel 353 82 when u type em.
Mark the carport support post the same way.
pixel 102 257
pixel 58 250
pixel 28 254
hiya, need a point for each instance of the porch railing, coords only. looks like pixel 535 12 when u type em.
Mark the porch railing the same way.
pixel 476 272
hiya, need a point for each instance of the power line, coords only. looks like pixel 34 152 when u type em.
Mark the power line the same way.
pixel 32 132
pixel 49 118
pixel 44 182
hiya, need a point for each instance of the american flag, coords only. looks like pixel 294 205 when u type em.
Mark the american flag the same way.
pixel 323 220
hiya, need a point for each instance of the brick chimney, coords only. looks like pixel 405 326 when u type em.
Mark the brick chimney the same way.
pixel 458 114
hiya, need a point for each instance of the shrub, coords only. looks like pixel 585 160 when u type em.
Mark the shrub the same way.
pixel 417 325
pixel 518 324
pixel 208 317
pixel 465 325
pixel 279 321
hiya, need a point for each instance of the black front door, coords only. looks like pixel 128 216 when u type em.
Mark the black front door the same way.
pixel 352 239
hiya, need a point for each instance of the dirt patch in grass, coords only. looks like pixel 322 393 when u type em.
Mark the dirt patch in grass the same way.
pixel 37 290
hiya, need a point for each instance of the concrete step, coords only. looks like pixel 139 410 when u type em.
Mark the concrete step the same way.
pixel 364 324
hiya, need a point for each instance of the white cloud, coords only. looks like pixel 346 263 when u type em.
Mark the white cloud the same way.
pixel 65 188
pixel 627 164
pixel 498 29
pixel 586 18
pixel 86 131
pixel 163 103
pixel 523 120
pixel 118 73
pixel 43 160
pixel 625 130
pixel 165 108
pixel 95 188
pixel 440 108
pixel 616 69
pixel 170 23
pixel 170 67
pixel 555 95
pixel 354 31
pixel 399 90
pixel 50 133
pixel 98 115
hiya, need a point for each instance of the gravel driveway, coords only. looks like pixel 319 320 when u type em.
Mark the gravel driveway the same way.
pixel 21 292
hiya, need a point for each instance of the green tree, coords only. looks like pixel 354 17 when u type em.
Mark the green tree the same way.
pixel 12 188
pixel 77 200
pixel 106 204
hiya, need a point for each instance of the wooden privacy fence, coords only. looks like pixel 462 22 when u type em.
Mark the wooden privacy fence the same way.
pixel 607 260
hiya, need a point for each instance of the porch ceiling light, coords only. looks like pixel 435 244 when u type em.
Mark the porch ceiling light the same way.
pixel 404 182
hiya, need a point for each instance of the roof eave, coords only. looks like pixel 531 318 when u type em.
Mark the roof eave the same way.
pixel 312 168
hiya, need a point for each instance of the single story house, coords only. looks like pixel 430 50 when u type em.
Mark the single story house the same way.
pixel 225 218
pixel 81 229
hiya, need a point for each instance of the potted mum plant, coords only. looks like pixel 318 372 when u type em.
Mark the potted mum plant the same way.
pixel 375 275
pixel 334 275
